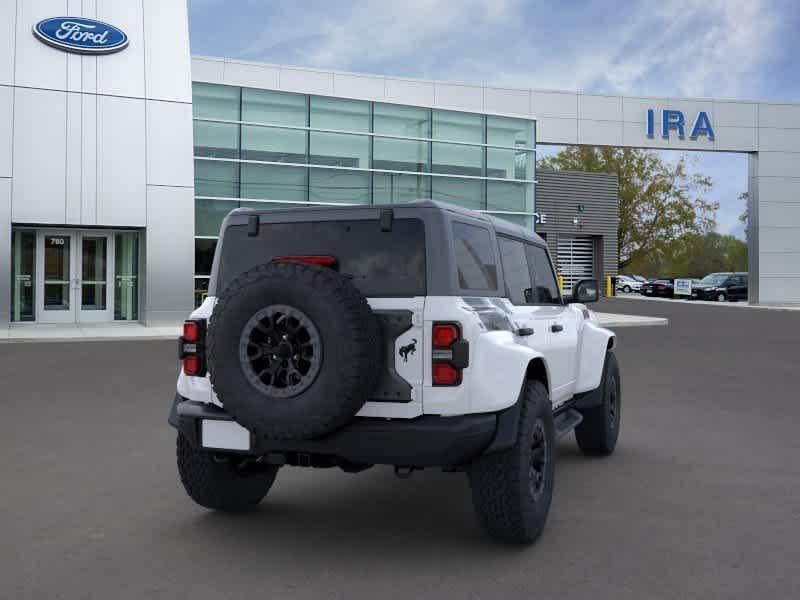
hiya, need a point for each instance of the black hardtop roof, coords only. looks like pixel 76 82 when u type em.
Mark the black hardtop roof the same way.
pixel 499 225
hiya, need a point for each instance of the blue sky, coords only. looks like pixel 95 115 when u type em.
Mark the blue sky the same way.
pixel 709 48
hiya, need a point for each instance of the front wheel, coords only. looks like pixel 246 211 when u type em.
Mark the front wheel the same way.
pixel 512 489
pixel 627 289
pixel 721 297
pixel 222 482
pixel 598 432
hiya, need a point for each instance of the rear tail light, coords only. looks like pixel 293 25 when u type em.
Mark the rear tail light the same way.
pixel 450 354
pixel 191 347
pixel 322 260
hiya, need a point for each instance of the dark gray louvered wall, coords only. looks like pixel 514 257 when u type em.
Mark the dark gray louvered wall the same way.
pixel 558 194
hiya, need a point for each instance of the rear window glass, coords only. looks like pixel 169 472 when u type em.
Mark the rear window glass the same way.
pixel 475 260
pixel 380 263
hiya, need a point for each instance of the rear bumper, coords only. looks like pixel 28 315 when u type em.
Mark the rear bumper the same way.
pixel 425 441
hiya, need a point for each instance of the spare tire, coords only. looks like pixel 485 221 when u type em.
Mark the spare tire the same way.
pixel 293 350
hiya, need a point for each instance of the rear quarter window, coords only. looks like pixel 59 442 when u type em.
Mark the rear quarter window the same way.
pixel 380 263
pixel 475 258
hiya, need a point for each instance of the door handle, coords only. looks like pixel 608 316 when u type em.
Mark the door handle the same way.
pixel 525 331
pixel 556 327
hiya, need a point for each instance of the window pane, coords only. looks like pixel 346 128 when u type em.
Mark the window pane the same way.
pixel 515 270
pixel 219 179
pixel 268 205
pixel 203 256
pixel 521 220
pixel 273 144
pixel 23 266
pixel 509 164
pixel 545 289
pixel 208 215
pixel 126 276
pixel 457 160
pixel 218 140
pixel 400 155
pixel 339 150
pixel 334 185
pixel 388 188
pixel 379 263
pixel 272 182
pixel 281 108
pixel 501 195
pixel 94 253
pixel 211 101
pixel 464 192
pixel 409 121
pixel 505 131
pixel 457 126
pixel 337 113
pixel 474 257
pixel 200 290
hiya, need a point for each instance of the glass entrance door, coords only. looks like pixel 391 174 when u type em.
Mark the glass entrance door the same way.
pixel 56 278
pixel 94 294
pixel 73 281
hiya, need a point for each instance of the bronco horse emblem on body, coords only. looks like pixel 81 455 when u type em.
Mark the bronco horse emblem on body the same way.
pixel 408 349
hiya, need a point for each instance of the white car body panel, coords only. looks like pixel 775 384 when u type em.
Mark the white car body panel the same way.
pixel 498 358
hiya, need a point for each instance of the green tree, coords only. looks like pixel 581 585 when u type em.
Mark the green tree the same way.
pixel 659 202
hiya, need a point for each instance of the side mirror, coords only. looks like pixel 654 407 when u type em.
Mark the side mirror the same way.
pixel 585 291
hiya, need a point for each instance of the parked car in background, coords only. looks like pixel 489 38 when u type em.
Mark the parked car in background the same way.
pixel 721 287
pixel 662 288
pixel 627 284
pixel 639 278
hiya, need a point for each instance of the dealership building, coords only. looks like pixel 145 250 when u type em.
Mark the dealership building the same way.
pixel 120 154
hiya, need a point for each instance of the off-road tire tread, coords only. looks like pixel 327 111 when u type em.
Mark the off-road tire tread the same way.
pixel 217 485
pixel 495 478
pixel 592 434
pixel 361 374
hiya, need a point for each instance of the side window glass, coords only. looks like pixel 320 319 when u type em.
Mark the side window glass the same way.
pixel 474 257
pixel 515 271
pixel 545 288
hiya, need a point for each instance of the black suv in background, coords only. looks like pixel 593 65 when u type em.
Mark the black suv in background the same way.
pixel 721 287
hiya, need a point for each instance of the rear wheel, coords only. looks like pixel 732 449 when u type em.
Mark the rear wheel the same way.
pixel 222 482
pixel 597 434
pixel 512 489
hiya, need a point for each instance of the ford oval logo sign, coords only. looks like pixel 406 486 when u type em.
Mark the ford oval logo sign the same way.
pixel 84 36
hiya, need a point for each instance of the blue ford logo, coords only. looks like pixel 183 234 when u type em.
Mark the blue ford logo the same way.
pixel 84 36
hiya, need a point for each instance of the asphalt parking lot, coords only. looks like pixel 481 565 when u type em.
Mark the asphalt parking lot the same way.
pixel 701 500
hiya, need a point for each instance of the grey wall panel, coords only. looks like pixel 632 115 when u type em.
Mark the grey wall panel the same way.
pixel 122 73
pixel 170 254
pixel 89 159
pixel 558 194
pixel 74 162
pixel 167 60
pixel 36 64
pixel 210 69
pixel 512 102
pixel 6 129
pixel 121 162
pixel 40 118
pixel 5 251
pixel 169 144
pixel 249 75
pixel 8 19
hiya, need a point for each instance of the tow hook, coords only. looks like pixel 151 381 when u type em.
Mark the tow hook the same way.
pixel 403 472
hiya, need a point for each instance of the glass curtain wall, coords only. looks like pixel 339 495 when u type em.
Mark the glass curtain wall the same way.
pixel 264 148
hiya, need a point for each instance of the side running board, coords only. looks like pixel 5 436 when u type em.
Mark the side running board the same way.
pixel 567 420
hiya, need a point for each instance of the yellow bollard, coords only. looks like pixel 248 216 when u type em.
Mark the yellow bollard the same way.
pixel 560 284
pixel 609 291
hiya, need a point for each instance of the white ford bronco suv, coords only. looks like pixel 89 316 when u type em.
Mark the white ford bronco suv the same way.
pixel 414 335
